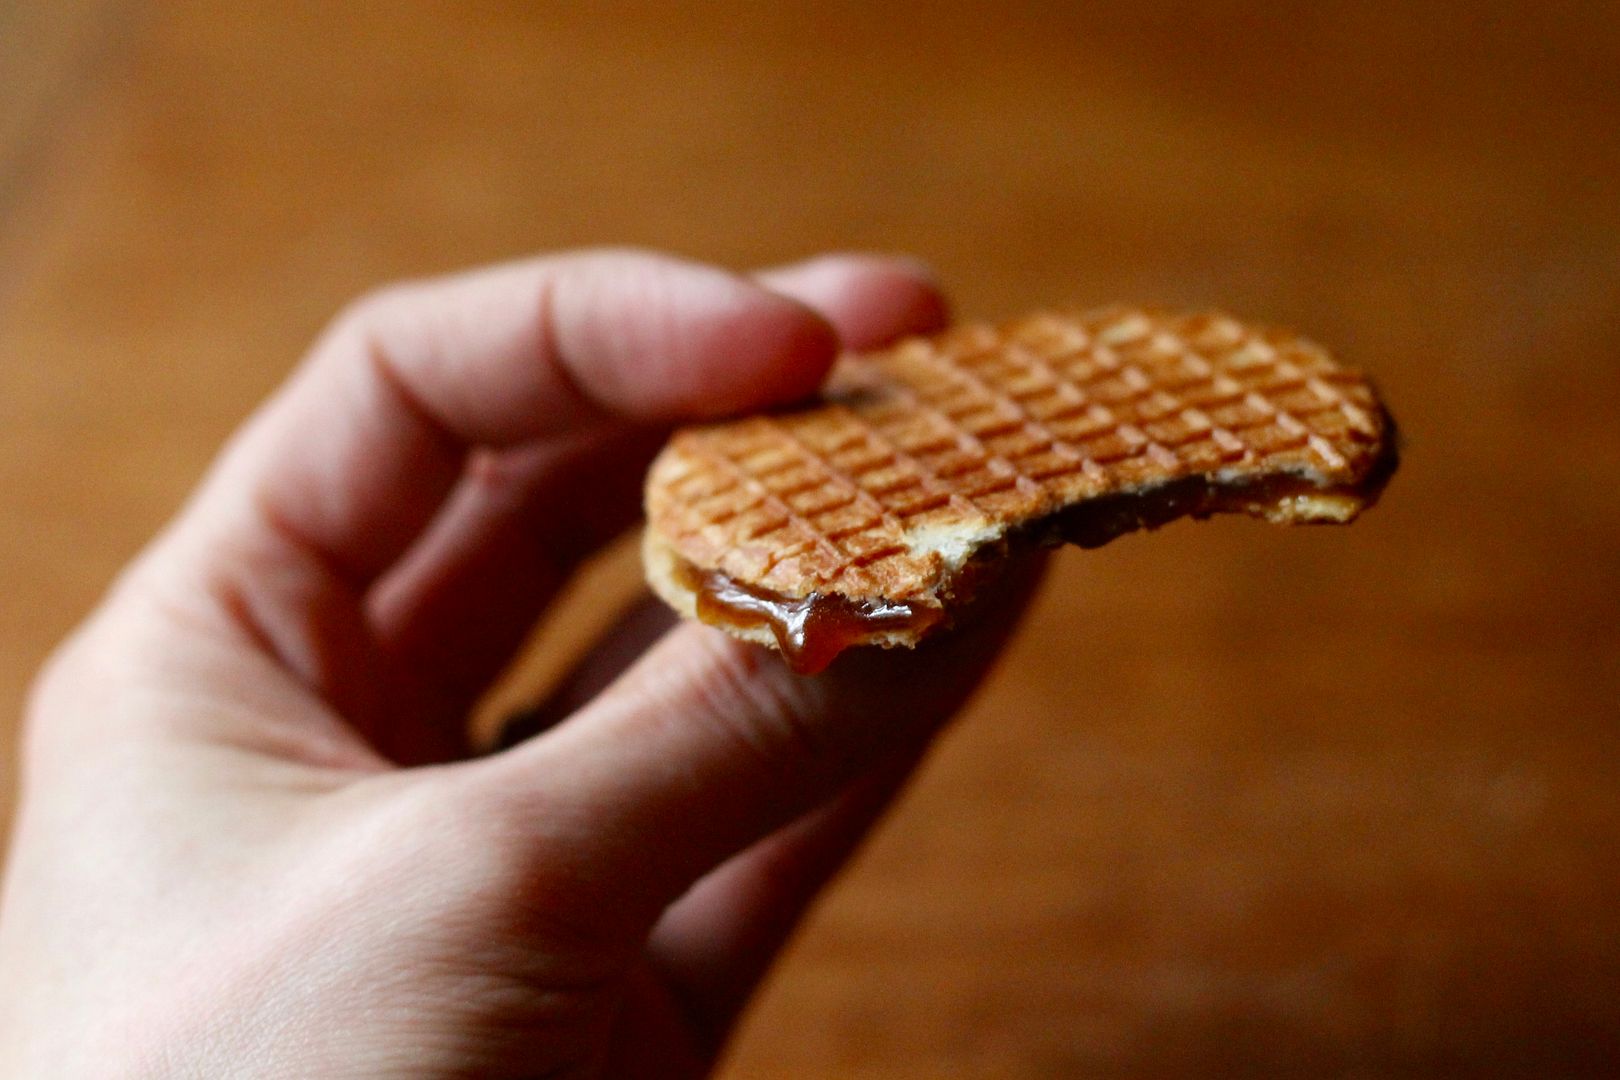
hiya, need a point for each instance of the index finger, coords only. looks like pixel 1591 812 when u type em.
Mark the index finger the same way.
pixel 355 454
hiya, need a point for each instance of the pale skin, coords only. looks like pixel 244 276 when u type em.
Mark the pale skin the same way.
pixel 253 839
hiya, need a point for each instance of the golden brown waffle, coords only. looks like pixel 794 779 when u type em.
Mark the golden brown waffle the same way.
pixel 923 459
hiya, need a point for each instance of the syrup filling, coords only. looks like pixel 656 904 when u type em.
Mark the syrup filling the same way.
pixel 810 630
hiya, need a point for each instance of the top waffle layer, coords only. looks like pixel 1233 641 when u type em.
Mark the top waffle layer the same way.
pixel 918 455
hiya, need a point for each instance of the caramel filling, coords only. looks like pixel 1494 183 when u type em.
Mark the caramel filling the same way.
pixel 810 630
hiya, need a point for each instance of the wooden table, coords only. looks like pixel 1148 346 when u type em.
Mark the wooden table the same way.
pixel 1242 800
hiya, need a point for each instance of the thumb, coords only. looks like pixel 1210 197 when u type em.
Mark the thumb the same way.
pixel 708 744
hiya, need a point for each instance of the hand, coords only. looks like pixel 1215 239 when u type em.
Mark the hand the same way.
pixel 253 840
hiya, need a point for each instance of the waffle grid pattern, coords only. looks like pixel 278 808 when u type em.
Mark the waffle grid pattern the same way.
pixel 986 427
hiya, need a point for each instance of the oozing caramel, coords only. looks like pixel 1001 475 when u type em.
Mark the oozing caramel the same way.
pixel 810 630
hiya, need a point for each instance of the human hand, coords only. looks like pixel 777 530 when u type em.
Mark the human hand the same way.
pixel 253 840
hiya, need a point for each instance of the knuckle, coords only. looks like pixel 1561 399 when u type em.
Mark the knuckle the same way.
pixel 371 307
pixel 626 253
pixel 362 325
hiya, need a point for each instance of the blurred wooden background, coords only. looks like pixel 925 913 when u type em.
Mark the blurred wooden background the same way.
pixel 1335 802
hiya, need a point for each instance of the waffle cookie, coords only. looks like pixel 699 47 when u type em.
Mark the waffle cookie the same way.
pixel 873 515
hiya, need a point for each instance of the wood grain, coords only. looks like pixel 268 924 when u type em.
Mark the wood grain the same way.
pixel 1243 800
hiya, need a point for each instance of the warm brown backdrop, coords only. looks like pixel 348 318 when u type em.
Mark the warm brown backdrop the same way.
pixel 1242 800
